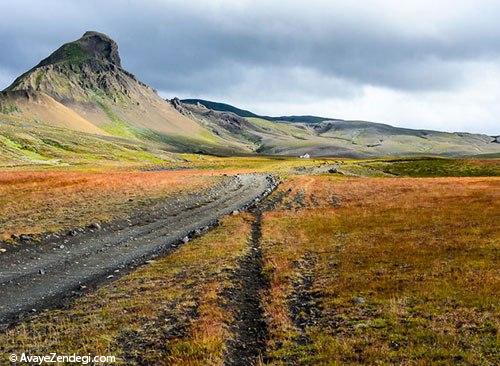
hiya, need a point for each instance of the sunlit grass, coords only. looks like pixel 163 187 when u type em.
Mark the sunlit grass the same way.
pixel 37 202
pixel 405 270
pixel 437 167
pixel 421 254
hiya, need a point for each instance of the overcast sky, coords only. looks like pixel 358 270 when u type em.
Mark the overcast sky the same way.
pixel 421 64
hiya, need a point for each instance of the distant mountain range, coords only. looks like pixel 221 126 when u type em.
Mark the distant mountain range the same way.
pixel 223 107
pixel 79 101
pixel 320 136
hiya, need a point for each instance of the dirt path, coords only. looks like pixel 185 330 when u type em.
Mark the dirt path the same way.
pixel 37 276
pixel 250 328
pixel 248 347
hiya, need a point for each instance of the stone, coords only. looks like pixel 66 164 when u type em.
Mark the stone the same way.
pixel 24 237
pixel 359 300
pixel 95 226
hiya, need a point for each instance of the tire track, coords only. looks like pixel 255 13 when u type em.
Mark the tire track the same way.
pixel 248 347
pixel 250 328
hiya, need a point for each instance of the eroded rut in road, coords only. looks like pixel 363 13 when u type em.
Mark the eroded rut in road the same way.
pixel 37 276
pixel 248 347
pixel 250 327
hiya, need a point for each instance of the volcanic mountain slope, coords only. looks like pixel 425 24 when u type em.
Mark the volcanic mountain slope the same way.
pixel 100 97
pixel 82 88
pixel 260 135
pixel 319 136
pixel 39 106
pixel 223 107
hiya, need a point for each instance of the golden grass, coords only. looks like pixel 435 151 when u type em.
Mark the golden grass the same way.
pixel 33 202
pixel 36 202
pixel 406 271
pixel 279 165
pixel 165 313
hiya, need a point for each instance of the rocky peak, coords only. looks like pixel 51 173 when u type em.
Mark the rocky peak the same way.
pixel 176 102
pixel 92 45
pixel 179 106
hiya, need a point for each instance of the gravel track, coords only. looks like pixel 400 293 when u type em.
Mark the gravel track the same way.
pixel 35 276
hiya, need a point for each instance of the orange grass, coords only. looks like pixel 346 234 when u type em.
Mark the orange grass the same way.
pixel 420 254
pixel 36 202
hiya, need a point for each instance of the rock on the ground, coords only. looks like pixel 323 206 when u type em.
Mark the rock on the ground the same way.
pixel 24 237
pixel 95 226
pixel 359 300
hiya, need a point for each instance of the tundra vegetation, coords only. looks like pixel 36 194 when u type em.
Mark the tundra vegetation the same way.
pixel 360 262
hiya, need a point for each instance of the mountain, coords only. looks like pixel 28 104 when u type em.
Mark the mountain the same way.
pixel 79 105
pixel 320 136
pixel 337 137
pixel 222 107
pixel 82 86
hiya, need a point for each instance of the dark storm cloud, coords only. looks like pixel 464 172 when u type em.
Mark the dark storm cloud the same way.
pixel 198 48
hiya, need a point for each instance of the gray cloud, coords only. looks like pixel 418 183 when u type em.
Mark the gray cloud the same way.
pixel 271 50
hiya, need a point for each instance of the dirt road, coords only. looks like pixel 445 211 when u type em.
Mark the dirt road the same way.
pixel 35 276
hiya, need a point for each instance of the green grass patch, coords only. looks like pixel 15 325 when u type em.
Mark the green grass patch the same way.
pixel 29 143
pixel 437 167
pixel 74 53
pixel 9 109
pixel 116 126
pixel 25 149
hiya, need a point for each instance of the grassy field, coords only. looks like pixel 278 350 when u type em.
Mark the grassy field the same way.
pixel 50 201
pixel 375 270
pixel 399 271
pixel 358 270
pixel 437 167
pixel 35 144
